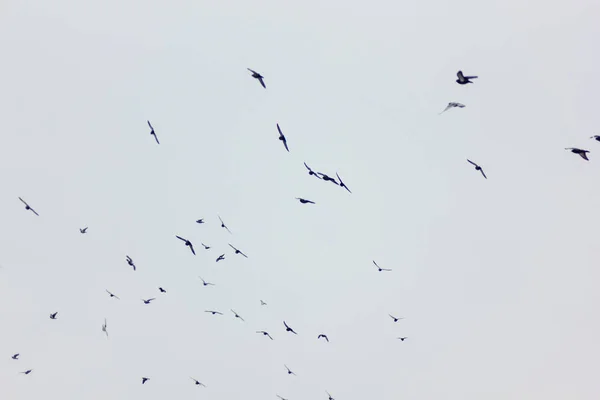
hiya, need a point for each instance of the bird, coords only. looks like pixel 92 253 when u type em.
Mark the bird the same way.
pixel 200 221
pixel 152 132
pixel 597 137
pixel 148 301
pixel 582 153
pixel 53 315
pixel 311 172
pixel 237 251
pixel 223 224
pixel 402 338
pixel 262 303
pixel 288 329
pixel 342 184
pixel 379 268
pixel 394 318
pixel 162 290
pixel 265 334
pixel 478 168
pixel 282 138
pixel 326 178
pixel 323 336
pixel 112 295
pixel 463 80
pixel 213 312
pixel 197 382
pixel 187 243
pixel 130 262
pixel 452 105
pixel 221 257
pixel 15 356
pixel 282 398
pixel 27 207
pixel 330 398
pixel 84 230
pixel 205 246
pixel 206 283
pixel 104 328
pixel 27 372
pixel 144 380
pixel 304 201
pixel 259 77
pixel 289 371
pixel 236 315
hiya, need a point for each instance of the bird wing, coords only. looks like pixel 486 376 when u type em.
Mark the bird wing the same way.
pixel 287 327
pixel 180 238
pixel 471 77
pixel 150 125
pixel 309 201
pixel 262 82
pixel 243 254
pixel 449 106
pixel 192 248
pixel 460 75
pixel 24 202
pixel 156 138
pixel 154 298
pixel 285 144
pixel 279 129
pixel 472 162
pixel 307 167
pixel 376 264
pixel 483 173
pixel 251 70
pixel 385 269
pixel 232 246
pixel 582 154
pixel 459 105
pixel 33 211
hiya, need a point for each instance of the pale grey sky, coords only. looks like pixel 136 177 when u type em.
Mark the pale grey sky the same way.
pixel 497 279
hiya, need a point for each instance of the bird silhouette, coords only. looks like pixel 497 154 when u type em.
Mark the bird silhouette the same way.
pixel 394 318
pixel 330 398
pixel 187 243
pixel 148 301
pixel 104 327
pixel 112 295
pixel 53 315
pixel 206 283
pixel 463 80
pixel 213 312
pixel 452 105
pixel 262 303
pixel 597 137
pixel 152 132
pixel 27 372
pixel 130 262
pixel 311 172
pixel 197 382
pixel 28 207
pixel 200 221
pixel 478 168
pixel 379 268
pixel 259 77
pixel 342 184
pixel 289 371
pixel 237 251
pixel 326 178
pixel 282 138
pixel 265 334
pixel 223 224
pixel 282 398
pixel 288 329
pixel 15 356
pixel 323 336
pixel 582 153
pixel 236 315
pixel 162 290
pixel 84 230
pixel 205 246
pixel 144 380
pixel 221 257
pixel 403 338
pixel 304 201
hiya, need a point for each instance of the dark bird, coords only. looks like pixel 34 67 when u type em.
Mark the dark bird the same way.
pixel 197 382
pixel 144 380
pixel 148 301
pixel 289 371
pixel 221 257
pixel 236 315
pixel 259 77
pixel 478 168
pixel 213 312
pixel 379 268
pixel 187 243
pixel 262 303
pixel 104 327
pixel 304 201
pixel 223 224
pixel 206 283
pixel 84 230
pixel 27 372
pixel 130 262
pixel 330 398
pixel 152 132
pixel 323 336
pixel 582 153
pixel 27 207
pixel 200 221
pixel 205 246
pixel 342 184
pixel 265 334
pixel 112 295
pixel 15 356
pixel 597 137
pixel 288 329
pixel 237 251
pixel 311 172
pixel 53 315
pixel 282 138
pixel 463 80
pixel 452 105
pixel 394 318
pixel 326 178
pixel 162 290
pixel 403 338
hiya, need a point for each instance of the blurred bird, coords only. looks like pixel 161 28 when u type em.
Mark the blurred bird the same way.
pixel 104 327
pixel 84 230
pixel 223 224
pixel 144 380
pixel 289 371
pixel 53 315
pixel 330 398
pixel 221 257
pixel 282 138
pixel 200 221
pixel 403 338
pixel 452 105
pixel 27 372
pixel 112 295
pixel 236 315
pixel 304 201
pixel 582 153
pixel 265 334
pixel 197 382
pixel 162 290
pixel 379 268
pixel 259 77
pixel 148 301
pixel 463 80
pixel 262 303
pixel 323 336
pixel 130 262
pixel 206 283
pixel 15 356
pixel 213 312
pixel 205 246
pixel 27 207
pixel 152 132
pixel 342 184
pixel 394 318
pixel 478 168
pixel 187 243
pixel 237 251
pixel 288 329
pixel 597 137
pixel 311 172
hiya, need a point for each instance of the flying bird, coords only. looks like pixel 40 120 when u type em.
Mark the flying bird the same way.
pixel 162 290
pixel 152 132
pixel 200 221
pixel 463 80
pixel 282 398
pixel 478 168
pixel 53 315
pixel 282 138
pixel 259 77
pixel 205 246
pixel 288 329
pixel 213 312
pixel 326 177
pixel 237 251
pixel 112 295
pixel 452 105
pixel 265 334
pixel 187 243
pixel 206 283
pixel 144 380
pixel 597 137
pixel 223 224
pixel 27 207
pixel 104 327
pixel 130 262
pixel 262 303
pixel 27 372
pixel 323 336
pixel 394 318
pixel 582 153
pixel 304 201
pixel 148 301
pixel 289 371
pixel 84 230
pixel 311 172
pixel 342 184
pixel 379 268
pixel 403 338
pixel 197 382
pixel 236 315
pixel 15 356
pixel 330 398
pixel 221 257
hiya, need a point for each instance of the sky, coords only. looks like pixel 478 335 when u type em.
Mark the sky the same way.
pixel 496 279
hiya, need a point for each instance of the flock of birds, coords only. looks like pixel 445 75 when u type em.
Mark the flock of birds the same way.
pixel 462 80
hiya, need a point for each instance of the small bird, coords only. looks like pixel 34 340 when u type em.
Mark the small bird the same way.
pixel 148 301
pixel 452 105
pixel 15 356
pixel 323 336
pixel 197 382
pixel 223 224
pixel 311 172
pixel 394 318
pixel 304 201
pixel 282 398
pixel 403 338
pixel 152 132
pixel 187 243
pixel 282 138
pixel 330 398
pixel 84 230
pixel 53 315
pixel 112 295
pixel 236 315
pixel 597 137
pixel 342 184
pixel 326 177
pixel 200 221
pixel 27 372
pixel 478 168
pixel 289 371
pixel 259 77
pixel 144 380
pixel 288 329
pixel 379 268
pixel 27 207
pixel 237 251
pixel 213 312
pixel 581 152
pixel 221 257
pixel 262 303
pixel 206 283
pixel 205 246
pixel 463 80
pixel 104 327
pixel 265 334
pixel 162 290
pixel 130 262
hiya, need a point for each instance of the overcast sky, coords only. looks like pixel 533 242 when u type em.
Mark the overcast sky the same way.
pixel 497 279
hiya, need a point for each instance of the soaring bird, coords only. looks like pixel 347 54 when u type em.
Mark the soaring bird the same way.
pixel 148 301
pixel 304 201
pixel 206 283
pixel 152 132
pixel 237 251
pixel 53 315
pixel 581 152
pixel 205 246
pixel 288 329
pixel 187 243
pixel 403 338
pixel 27 372
pixel 197 382
pixel 342 184
pixel 379 268
pixel 394 318
pixel 104 327
pixel 15 356
pixel 200 221
pixel 221 257
pixel 27 207
pixel 112 295
pixel 323 336
pixel 144 380
pixel 259 77
pixel 478 168
pixel 223 224
pixel 162 290
pixel 289 371
pixel 452 105
pixel 597 137
pixel 330 398
pixel 326 177
pixel 130 262
pixel 262 303
pixel 463 80
pixel 265 334
pixel 282 138
pixel 311 172
pixel 237 315
pixel 213 312
pixel 84 230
